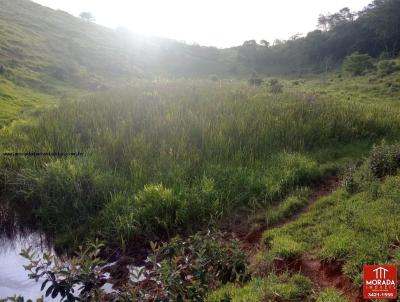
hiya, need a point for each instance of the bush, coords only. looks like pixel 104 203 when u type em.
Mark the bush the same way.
pixel 118 221
pixel 357 64
pixel 275 86
pixel 214 78
pixel 384 159
pixel 157 210
pixel 255 80
pixel 189 268
pixel 181 270
pixel 65 194
pixel 387 67
pixel 349 182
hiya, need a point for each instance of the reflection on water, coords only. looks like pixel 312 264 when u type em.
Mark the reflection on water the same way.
pixel 13 238
pixel 15 235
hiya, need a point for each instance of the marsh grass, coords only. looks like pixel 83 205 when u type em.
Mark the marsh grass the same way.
pixel 168 157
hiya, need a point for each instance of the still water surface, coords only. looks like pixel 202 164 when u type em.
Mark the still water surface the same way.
pixel 13 277
pixel 14 237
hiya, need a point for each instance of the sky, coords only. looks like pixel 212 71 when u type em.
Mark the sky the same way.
pixel 221 23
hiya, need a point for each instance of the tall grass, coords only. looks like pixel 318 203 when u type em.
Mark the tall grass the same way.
pixel 169 157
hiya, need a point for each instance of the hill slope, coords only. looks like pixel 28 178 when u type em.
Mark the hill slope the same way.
pixel 45 53
pixel 39 44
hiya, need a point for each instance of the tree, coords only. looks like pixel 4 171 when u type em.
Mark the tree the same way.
pixel 250 43
pixel 357 63
pixel 295 37
pixel 248 52
pixel 387 67
pixel 264 43
pixel 382 19
pixel 87 16
pixel 330 21
pixel 278 42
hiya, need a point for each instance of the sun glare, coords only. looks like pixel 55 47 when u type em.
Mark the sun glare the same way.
pixel 220 23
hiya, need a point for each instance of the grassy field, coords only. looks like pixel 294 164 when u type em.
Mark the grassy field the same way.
pixel 157 156
pixel 157 146
pixel 19 102
pixel 160 155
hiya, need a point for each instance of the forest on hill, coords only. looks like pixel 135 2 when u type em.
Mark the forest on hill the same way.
pixel 374 31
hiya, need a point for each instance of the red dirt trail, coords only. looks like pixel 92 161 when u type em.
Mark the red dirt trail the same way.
pixel 323 275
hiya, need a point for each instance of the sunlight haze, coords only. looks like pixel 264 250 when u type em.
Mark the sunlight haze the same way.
pixel 220 23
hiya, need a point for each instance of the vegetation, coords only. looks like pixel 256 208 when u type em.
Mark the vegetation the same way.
pixel 273 288
pixel 287 207
pixel 330 295
pixel 352 228
pixel 176 271
pixel 132 155
pixel 373 31
pixel 356 64
pixel 189 146
pixel 387 67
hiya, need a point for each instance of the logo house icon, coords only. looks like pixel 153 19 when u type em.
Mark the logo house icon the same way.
pixel 380 272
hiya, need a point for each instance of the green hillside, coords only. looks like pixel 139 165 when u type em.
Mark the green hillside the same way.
pixel 47 54
pixel 41 45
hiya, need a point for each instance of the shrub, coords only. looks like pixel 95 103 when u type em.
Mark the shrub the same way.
pixel 118 222
pixel 190 267
pixel 255 80
pixel 349 183
pixel 275 86
pixel 357 64
pixel 384 55
pixel 214 78
pixel 181 270
pixel 65 193
pixel 387 67
pixel 157 210
pixel 61 278
pixel 384 159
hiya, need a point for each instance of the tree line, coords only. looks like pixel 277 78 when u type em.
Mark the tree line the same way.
pixel 375 31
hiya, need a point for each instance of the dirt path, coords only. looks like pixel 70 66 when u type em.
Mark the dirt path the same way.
pixel 249 231
pixel 323 275
pixel 329 275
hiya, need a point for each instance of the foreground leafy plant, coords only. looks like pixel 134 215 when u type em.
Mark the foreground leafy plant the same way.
pixel 82 274
pixel 181 270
